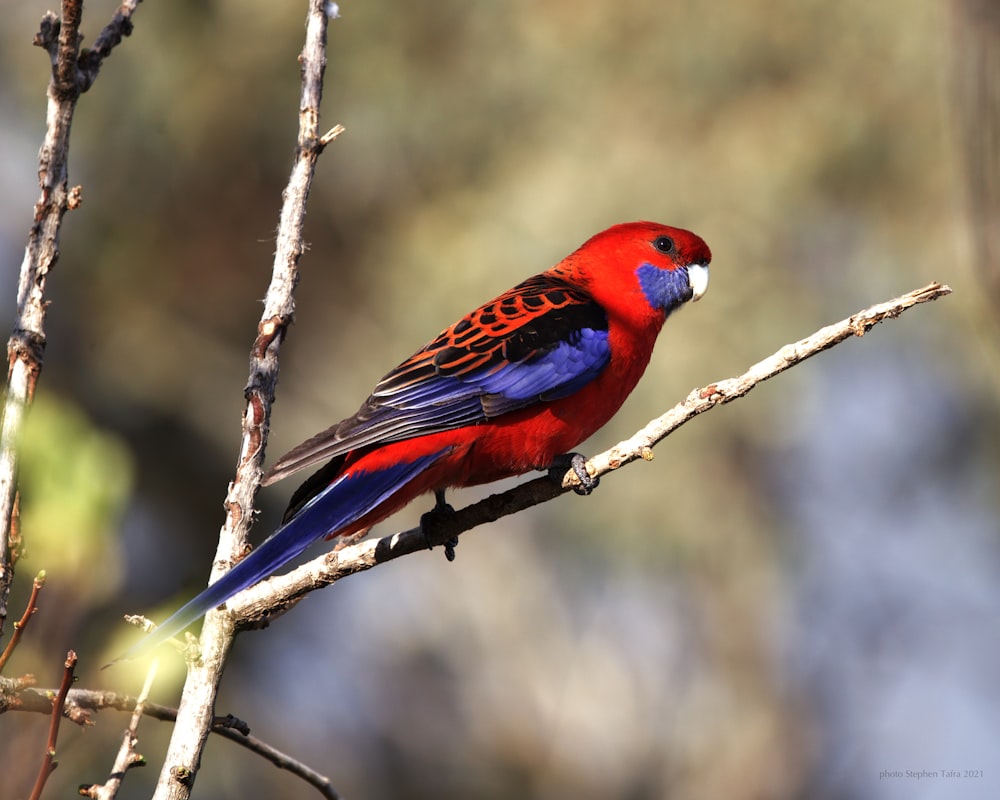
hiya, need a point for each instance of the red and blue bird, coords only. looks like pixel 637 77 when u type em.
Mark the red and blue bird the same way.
pixel 511 387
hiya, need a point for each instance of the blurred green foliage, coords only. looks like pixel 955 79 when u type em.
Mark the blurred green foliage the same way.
pixel 74 482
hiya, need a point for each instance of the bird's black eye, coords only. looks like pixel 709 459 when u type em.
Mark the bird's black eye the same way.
pixel 664 244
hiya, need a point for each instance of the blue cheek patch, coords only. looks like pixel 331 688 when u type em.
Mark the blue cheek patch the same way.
pixel 664 289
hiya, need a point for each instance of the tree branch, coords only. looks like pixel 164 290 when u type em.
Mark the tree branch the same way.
pixel 48 760
pixel 27 341
pixel 128 756
pixel 120 26
pixel 72 74
pixel 194 715
pixel 21 624
pixel 80 703
pixel 277 594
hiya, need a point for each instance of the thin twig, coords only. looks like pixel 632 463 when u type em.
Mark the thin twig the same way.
pixel 278 593
pixel 194 715
pixel 281 760
pixel 48 760
pixel 21 624
pixel 117 29
pixel 127 757
pixel 82 703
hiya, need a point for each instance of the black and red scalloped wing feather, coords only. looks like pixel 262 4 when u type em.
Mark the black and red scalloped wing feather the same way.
pixel 542 340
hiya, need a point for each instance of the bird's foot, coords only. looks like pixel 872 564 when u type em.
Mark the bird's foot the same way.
pixel 440 514
pixel 577 463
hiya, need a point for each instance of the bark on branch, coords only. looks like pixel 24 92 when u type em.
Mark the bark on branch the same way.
pixel 81 704
pixel 73 72
pixel 195 712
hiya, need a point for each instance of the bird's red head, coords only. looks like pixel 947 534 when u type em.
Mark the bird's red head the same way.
pixel 640 271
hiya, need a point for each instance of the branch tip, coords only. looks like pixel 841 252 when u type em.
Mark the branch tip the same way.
pixel 331 134
pixel 58 707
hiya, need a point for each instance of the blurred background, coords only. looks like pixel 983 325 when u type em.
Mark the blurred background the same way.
pixel 799 594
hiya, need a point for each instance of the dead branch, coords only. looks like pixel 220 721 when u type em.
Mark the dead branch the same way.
pixel 194 715
pixel 73 72
pixel 81 704
pixel 128 757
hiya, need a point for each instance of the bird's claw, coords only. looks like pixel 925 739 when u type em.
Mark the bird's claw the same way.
pixel 578 464
pixel 435 517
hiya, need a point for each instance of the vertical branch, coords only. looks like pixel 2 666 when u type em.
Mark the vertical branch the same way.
pixel 127 755
pixel 73 73
pixel 977 101
pixel 26 346
pixel 196 711
pixel 58 706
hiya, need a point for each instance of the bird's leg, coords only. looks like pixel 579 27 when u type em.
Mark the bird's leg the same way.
pixel 437 515
pixel 577 463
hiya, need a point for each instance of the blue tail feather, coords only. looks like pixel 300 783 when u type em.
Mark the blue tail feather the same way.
pixel 340 504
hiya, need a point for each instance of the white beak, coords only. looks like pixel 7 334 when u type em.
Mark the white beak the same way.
pixel 697 279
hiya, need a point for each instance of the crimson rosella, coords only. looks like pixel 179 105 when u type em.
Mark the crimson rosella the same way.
pixel 513 386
